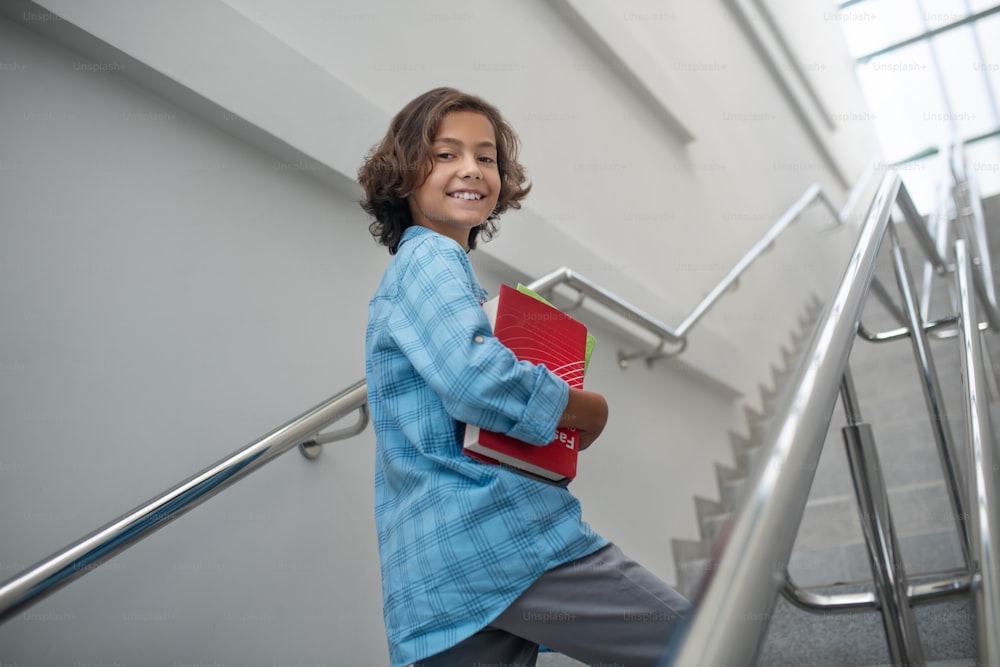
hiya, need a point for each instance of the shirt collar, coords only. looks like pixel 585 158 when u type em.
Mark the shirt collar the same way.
pixel 413 231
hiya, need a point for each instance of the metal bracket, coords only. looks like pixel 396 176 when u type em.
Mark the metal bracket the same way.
pixel 311 449
pixel 944 584
pixel 580 298
pixel 941 329
pixel 651 357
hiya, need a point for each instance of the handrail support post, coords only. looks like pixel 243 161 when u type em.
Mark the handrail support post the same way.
pixel 312 448
pixel 932 394
pixel 984 470
pixel 884 556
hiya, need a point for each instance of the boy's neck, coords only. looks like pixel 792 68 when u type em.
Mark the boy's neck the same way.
pixel 464 246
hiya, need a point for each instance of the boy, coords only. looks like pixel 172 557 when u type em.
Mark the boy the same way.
pixel 479 564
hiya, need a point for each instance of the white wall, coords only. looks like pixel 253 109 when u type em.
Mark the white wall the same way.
pixel 177 283
pixel 665 218
pixel 170 294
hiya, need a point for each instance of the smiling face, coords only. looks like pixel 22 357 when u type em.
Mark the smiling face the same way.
pixel 463 185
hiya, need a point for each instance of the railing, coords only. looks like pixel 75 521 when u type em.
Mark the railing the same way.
pixel 984 493
pixel 970 223
pixel 64 566
pixel 678 335
pixel 742 582
pixel 747 569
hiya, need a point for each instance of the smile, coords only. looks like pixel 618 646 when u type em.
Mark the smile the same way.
pixel 466 195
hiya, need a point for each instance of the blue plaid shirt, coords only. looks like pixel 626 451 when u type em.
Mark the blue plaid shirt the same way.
pixel 459 540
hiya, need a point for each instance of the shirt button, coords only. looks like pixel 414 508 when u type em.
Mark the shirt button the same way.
pixel 479 339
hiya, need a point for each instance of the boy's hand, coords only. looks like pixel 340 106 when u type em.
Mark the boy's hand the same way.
pixel 586 411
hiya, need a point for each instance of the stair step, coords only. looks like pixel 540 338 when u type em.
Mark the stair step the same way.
pixel 688 556
pixel 841 657
pixel 921 554
pixel 712 526
pixel 739 442
pixel 768 396
pixel 732 484
pixel 857 638
pixel 711 517
pixel 747 457
pixel 689 576
pixel 732 493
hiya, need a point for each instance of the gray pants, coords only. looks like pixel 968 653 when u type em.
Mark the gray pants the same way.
pixel 602 609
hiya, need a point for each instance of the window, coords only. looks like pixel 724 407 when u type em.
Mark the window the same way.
pixel 929 70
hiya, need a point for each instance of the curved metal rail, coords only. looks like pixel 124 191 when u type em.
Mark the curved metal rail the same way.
pixel 746 573
pixel 984 469
pixel 678 335
pixel 743 580
pixel 59 569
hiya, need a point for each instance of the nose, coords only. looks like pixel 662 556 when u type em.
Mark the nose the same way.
pixel 470 168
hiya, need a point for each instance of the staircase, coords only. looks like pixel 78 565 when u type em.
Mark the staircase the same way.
pixel 830 555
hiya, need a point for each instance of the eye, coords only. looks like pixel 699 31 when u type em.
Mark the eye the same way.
pixel 444 155
pixel 487 159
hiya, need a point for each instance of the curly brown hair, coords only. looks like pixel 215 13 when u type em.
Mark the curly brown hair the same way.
pixel 403 159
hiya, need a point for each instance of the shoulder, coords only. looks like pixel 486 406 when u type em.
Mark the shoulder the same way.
pixel 422 243
pixel 426 255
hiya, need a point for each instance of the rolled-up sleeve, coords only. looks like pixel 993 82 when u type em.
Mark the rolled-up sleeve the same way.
pixel 439 325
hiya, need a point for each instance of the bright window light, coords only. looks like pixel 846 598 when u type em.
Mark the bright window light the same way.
pixel 930 72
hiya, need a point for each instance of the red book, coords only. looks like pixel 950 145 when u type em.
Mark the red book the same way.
pixel 541 334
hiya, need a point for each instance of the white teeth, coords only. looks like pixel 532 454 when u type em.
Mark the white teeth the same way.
pixel 465 195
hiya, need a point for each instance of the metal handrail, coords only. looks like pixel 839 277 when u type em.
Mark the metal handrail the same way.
pixel 743 580
pixel 59 569
pixel 933 398
pixel 678 335
pixel 884 557
pixel 984 464
pixel 917 331
pixel 893 593
pixel 945 584
pixel 746 572
pixel 969 214
pixel 969 210
pixel 894 597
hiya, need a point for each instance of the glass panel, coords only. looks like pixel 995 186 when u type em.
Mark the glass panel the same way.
pixel 902 93
pixel 913 109
pixel 988 30
pixel 970 113
pixel 869 26
pixel 983 164
pixel 942 12
pixel 979 5
pixel 922 178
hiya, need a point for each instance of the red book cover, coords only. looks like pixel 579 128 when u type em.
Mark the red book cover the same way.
pixel 541 334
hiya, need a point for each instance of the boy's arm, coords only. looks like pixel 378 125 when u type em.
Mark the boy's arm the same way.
pixel 437 321
pixel 586 411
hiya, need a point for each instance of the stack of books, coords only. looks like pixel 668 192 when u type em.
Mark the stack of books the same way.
pixel 538 332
